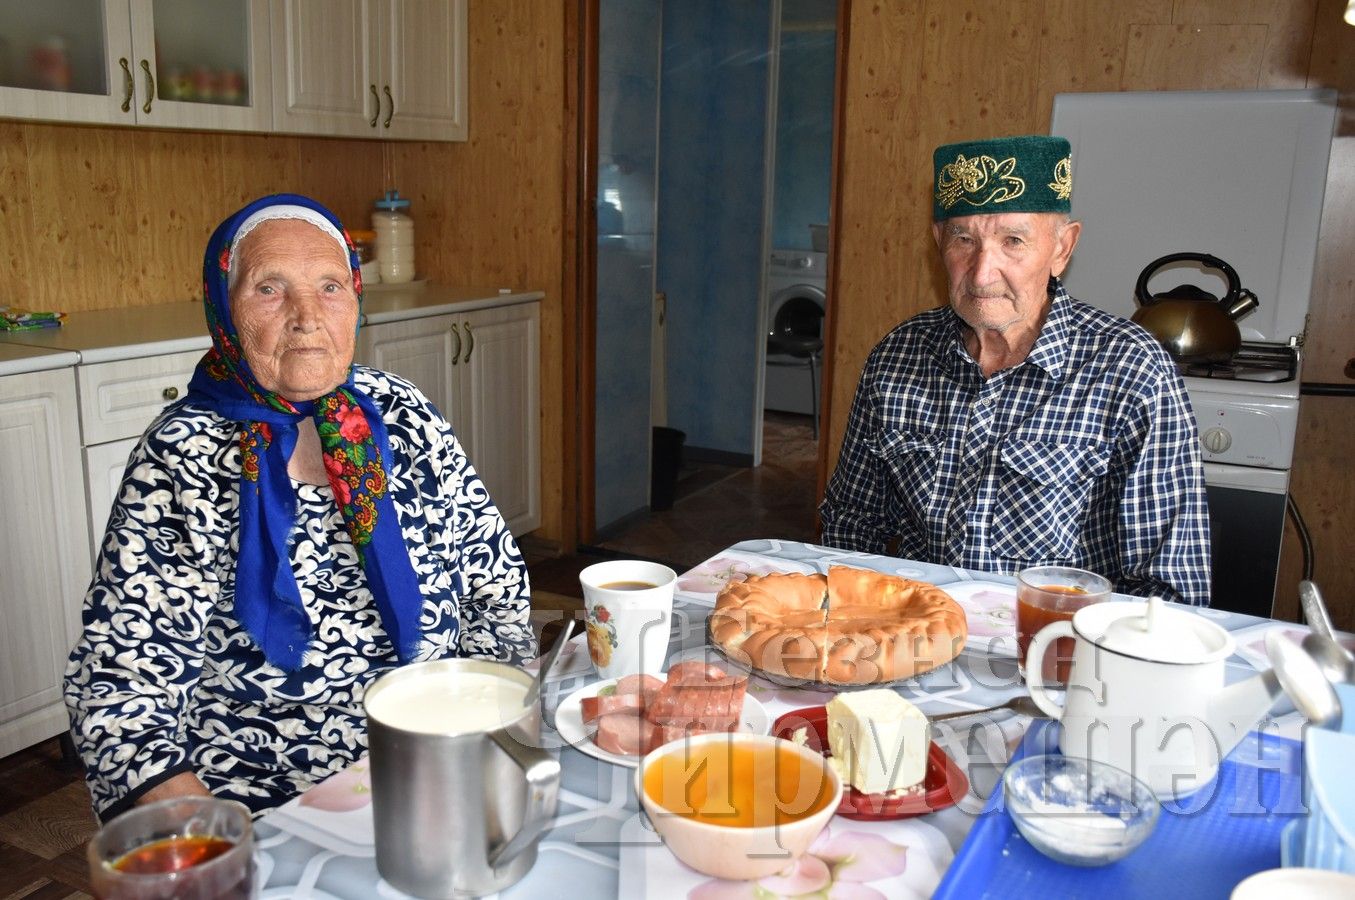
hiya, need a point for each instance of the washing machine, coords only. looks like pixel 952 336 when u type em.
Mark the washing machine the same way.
pixel 796 302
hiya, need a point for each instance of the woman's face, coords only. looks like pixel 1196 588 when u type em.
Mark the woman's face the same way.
pixel 294 308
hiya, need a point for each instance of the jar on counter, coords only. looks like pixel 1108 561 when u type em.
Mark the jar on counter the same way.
pixel 364 241
pixel 394 239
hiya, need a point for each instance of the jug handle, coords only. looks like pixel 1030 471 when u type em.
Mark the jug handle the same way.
pixel 1035 653
pixel 542 771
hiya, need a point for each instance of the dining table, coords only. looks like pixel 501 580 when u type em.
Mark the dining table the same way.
pixel 321 843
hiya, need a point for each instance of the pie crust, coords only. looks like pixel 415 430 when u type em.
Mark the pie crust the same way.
pixel 853 626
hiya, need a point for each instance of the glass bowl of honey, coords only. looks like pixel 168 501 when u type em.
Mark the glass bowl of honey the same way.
pixel 737 806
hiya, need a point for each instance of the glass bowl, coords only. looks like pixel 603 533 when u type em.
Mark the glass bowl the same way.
pixel 1078 811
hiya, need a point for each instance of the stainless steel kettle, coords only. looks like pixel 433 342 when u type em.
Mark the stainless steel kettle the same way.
pixel 1193 324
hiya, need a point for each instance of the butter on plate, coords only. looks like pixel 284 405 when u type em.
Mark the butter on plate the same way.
pixel 879 741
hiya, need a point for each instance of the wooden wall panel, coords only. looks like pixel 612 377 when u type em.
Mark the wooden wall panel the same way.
pixel 17 243
pixel 82 216
pixel 1194 57
pixel 1289 33
pixel 1323 489
pixel 111 217
pixel 165 236
pixel 1086 44
pixel 965 100
pixel 881 176
pixel 1329 355
pixel 966 69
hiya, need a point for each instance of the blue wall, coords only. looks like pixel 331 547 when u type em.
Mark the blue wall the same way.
pixel 628 61
pixel 804 126
pixel 712 137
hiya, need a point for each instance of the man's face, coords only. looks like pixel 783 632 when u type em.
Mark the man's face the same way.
pixel 998 266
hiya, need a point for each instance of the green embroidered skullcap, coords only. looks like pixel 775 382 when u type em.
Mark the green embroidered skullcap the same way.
pixel 1007 174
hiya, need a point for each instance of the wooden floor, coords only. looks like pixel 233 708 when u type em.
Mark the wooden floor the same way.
pixel 45 823
pixel 45 817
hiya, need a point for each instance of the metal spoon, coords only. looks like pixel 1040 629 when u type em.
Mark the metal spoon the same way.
pixel 548 663
pixel 1314 610
pixel 1303 679
pixel 1021 703
pixel 1337 663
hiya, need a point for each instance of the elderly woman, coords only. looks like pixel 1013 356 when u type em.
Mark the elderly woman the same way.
pixel 294 527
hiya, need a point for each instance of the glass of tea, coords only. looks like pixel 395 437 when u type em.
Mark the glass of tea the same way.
pixel 1046 594
pixel 190 847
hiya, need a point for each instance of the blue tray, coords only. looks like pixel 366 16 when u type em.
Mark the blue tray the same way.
pixel 1202 846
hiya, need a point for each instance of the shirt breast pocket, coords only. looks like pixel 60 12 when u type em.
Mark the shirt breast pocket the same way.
pixel 911 457
pixel 1042 498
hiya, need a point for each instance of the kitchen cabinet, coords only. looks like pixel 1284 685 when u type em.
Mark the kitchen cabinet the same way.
pixel 393 69
pixel 201 64
pixel 44 561
pixel 118 399
pixel 481 369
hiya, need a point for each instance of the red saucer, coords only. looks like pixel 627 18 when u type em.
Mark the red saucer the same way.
pixel 943 786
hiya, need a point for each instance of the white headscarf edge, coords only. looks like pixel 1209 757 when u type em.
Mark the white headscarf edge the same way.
pixel 285 211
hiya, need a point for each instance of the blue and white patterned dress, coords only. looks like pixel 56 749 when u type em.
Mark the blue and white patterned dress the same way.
pixel 165 680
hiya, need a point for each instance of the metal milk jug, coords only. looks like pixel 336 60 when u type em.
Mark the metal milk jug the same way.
pixel 461 789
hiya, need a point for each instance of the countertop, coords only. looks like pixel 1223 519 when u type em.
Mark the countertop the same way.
pixel 107 335
pixel 16 359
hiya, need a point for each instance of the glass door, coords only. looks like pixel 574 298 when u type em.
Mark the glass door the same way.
pixel 202 63
pixel 627 166
pixel 59 60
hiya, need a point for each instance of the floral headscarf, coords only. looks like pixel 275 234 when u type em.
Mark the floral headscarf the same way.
pixel 357 460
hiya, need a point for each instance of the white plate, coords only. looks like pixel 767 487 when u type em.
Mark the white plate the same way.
pixel 569 723
pixel 990 611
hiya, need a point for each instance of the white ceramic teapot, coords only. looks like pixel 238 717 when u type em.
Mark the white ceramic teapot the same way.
pixel 1146 693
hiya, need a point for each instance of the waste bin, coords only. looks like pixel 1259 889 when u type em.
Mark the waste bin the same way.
pixel 667 462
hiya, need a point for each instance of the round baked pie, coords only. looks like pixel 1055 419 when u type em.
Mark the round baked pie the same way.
pixel 853 626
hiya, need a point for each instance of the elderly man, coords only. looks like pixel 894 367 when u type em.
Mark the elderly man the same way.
pixel 1018 426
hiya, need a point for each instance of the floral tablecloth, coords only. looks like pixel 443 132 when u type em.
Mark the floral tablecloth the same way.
pixel 320 845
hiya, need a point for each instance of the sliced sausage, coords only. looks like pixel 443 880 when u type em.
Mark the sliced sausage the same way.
pixel 592 707
pixel 638 684
pixel 625 733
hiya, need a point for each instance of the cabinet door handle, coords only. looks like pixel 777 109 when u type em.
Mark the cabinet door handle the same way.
pixel 470 343
pixel 127 84
pixel 170 393
pixel 150 86
pixel 376 113
pixel 390 106
pixel 456 352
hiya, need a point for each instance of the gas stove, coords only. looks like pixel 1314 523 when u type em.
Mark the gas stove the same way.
pixel 1254 361
pixel 1247 411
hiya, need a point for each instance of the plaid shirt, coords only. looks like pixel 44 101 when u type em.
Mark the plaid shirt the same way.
pixel 1085 454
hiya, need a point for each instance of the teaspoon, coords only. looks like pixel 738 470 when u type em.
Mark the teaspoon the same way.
pixel 1337 663
pixel 543 671
pixel 1021 703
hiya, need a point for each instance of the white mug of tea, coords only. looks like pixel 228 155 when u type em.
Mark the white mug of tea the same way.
pixel 629 613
